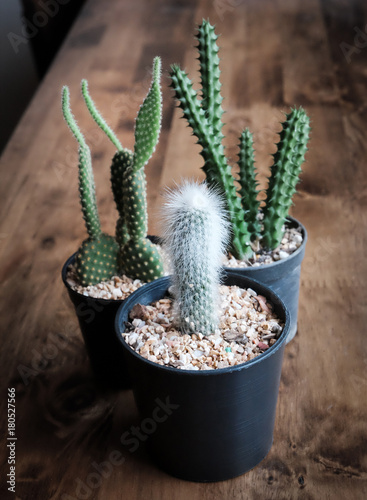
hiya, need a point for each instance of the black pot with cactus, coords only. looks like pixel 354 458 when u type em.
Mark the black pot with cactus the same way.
pixel 130 252
pixel 254 227
pixel 203 425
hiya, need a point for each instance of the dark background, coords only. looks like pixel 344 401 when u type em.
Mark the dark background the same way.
pixel 31 33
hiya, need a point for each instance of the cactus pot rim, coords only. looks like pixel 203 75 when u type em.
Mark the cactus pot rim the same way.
pixel 164 282
pixel 292 222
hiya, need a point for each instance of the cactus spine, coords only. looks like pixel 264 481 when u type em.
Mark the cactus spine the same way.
pixel 205 118
pixel 130 252
pixel 195 238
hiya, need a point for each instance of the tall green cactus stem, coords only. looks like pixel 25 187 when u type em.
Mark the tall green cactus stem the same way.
pixel 138 257
pixel 211 101
pixel 195 238
pixel 205 118
pixel 216 168
pixel 96 259
pixel 285 172
pixel 247 180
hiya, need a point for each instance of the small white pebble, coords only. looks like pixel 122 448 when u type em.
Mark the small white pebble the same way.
pixel 283 254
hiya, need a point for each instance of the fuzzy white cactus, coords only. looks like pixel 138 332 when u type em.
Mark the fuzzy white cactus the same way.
pixel 195 238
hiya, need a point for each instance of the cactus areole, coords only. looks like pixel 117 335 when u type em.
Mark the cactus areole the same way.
pixel 102 256
pixel 204 116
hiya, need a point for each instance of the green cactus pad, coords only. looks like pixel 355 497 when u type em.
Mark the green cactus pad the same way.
pixel 87 190
pixel 122 235
pixel 247 180
pixel 140 259
pixel 148 121
pixel 135 203
pixel 97 117
pixel 121 162
pixel 285 172
pixel 96 260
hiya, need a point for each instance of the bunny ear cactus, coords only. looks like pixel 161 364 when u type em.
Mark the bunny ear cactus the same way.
pixel 195 237
pixel 138 257
pixel 205 118
pixel 102 256
pixel 96 259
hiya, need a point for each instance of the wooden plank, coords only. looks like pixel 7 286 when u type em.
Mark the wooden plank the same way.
pixel 274 55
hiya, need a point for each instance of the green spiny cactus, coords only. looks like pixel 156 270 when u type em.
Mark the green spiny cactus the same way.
pixel 211 101
pixel 195 238
pixel 138 257
pixel 96 259
pixel 204 117
pixel 216 168
pixel 247 180
pixel 285 171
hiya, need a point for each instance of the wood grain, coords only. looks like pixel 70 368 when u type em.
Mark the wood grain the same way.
pixel 276 54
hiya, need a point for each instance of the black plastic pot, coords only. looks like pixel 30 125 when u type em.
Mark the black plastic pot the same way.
pixel 283 277
pixel 205 425
pixel 97 320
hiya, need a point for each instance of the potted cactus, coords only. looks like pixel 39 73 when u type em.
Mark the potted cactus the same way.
pixel 219 420
pixel 102 257
pixel 256 230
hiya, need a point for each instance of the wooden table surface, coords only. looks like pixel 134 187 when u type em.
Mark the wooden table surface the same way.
pixel 275 54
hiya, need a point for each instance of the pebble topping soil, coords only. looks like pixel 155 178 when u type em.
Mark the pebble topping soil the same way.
pixel 247 328
pixel 117 288
pixel 292 240
pixel 120 287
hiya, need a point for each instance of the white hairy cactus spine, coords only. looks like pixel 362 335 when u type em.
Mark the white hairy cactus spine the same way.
pixel 195 238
